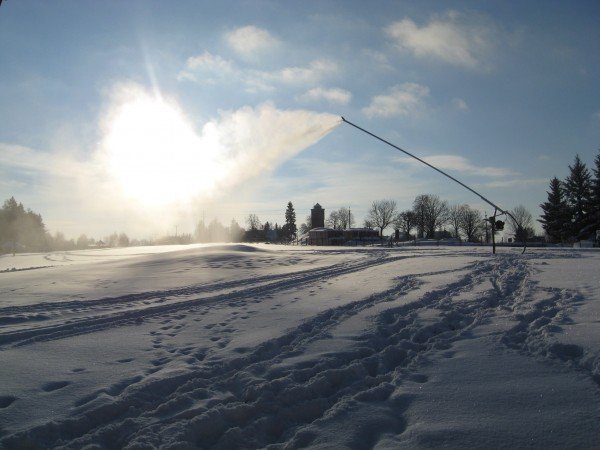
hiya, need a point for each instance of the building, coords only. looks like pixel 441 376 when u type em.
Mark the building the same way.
pixel 361 236
pixel 321 235
pixel 325 236
pixel 351 236
pixel 317 217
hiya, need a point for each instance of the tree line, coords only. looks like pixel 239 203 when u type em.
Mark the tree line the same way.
pixel 433 218
pixel 256 231
pixel 571 212
pixel 572 209
pixel 23 230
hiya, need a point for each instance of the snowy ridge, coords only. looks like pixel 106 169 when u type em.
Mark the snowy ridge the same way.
pixel 348 376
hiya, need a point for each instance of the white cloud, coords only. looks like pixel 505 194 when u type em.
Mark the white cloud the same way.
pixel 312 73
pixel 378 58
pixel 209 68
pixel 450 38
pixel 250 40
pixel 406 99
pixel 210 62
pixel 517 183
pixel 332 95
pixel 460 104
pixel 459 164
pixel 185 75
pixel 207 65
pixel 28 161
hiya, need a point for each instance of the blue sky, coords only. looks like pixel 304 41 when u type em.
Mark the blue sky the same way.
pixel 500 94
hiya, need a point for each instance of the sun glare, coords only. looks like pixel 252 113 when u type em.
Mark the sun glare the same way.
pixel 155 155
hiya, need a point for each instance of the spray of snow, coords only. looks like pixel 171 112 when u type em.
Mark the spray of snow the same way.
pixel 256 140
pixel 156 156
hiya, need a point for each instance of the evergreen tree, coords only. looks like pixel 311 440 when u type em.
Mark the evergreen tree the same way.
pixel 290 222
pixel 595 219
pixel 578 190
pixel 21 229
pixel 556 219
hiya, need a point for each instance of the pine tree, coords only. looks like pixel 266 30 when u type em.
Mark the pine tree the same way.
pixel 578 190
pixel 290 222
pixel 556 219
pixel 21 229
pixel 595 219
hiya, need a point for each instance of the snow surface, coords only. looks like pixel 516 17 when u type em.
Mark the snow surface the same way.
pixel 238 346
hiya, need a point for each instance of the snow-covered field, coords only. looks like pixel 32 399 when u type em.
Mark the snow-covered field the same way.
pixel 238 346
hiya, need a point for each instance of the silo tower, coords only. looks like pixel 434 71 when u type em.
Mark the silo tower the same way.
pixel 317 216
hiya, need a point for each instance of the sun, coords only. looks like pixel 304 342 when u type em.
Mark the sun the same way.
pixel 154 154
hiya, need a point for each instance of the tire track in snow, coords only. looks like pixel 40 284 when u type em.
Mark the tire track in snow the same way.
pixel 129 299
pixel 248 289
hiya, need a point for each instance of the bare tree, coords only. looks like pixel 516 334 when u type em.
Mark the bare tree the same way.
pixel 306 226
pixel 346 218
pixel 521 224
pixel 333 221
pixel 253 222
pixel 382 214
pixel 432 213
pixel 406 221
pixel 420 214
pixel 455 213
pixel 340 219
pixel 471 223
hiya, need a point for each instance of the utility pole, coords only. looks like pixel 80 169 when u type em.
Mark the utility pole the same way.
pixel 493 233
pixel 487 235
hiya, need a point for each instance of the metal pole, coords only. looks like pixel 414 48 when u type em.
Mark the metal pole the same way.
pixel 496 207
pixel 494 232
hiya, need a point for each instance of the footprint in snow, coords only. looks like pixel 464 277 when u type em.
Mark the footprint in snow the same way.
pixel 160 361
pixel 418 378
pixel 54 385
pixel 125 360
pixel 6 401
